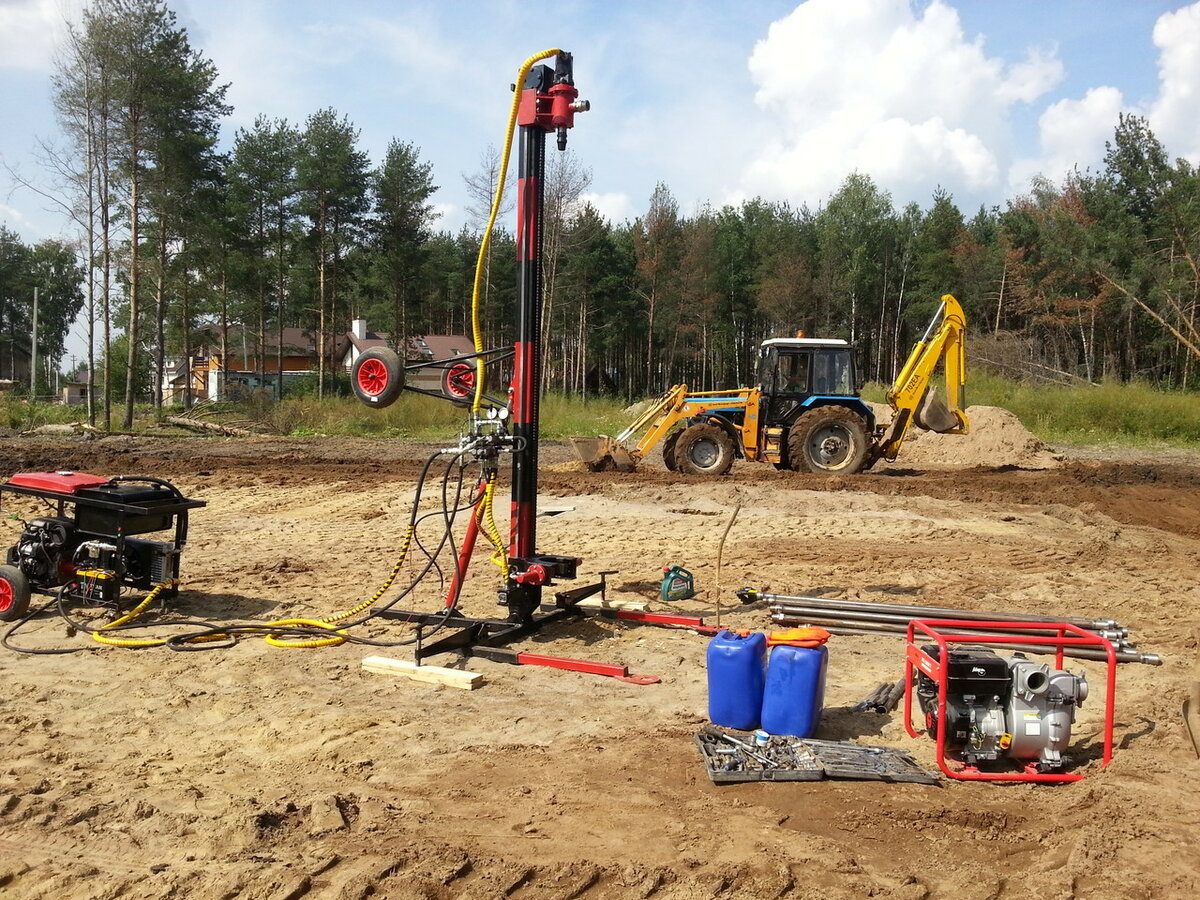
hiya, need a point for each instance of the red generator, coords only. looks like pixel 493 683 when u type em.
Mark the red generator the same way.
pixel 83 547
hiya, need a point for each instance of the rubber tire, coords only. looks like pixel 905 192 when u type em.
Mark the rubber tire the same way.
pixel 711 441
pixel 458 384
pixel 668 450
pixel 14 594
pixel 815 429
pixel 377 377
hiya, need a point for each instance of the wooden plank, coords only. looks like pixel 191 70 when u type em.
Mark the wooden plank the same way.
pixel 455 678
pixel 597 603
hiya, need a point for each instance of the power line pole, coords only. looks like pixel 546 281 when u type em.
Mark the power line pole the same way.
pixel 33 351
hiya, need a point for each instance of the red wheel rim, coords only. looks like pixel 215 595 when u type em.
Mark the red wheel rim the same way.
pixel 460 381
pixel 6 595
pixel 372 377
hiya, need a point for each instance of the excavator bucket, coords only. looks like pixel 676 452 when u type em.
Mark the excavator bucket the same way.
pixel 602 452
pixel 934 415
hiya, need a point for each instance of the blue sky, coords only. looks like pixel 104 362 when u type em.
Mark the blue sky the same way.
pixel 720 101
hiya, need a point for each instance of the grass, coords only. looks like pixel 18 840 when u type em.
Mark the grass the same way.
pixel 1130 415
pixel 21 415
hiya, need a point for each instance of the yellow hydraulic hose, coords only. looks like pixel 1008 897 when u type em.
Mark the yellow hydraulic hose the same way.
pixel 485 243
pixel 271 629
pixel 487 522
pixel 275 640
pixel 129 617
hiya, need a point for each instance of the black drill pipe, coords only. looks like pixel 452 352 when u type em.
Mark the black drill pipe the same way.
pixel 931 612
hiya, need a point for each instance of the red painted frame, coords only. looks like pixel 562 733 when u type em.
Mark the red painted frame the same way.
pixel 1014 632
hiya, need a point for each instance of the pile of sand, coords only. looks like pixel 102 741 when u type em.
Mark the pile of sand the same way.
pixel 997 438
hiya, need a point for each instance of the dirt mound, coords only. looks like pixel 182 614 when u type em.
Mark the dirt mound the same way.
pixel 997 438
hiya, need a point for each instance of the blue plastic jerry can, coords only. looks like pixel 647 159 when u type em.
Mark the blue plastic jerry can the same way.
pixel 737 662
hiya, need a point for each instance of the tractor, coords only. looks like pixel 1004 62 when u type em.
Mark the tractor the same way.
pixel 804 414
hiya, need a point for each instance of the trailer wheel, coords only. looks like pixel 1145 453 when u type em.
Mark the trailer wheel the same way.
pixel 830 440
pixel 458 383
pixel 378 377
pixel 668 450
pixel 704 449
pixel 14 594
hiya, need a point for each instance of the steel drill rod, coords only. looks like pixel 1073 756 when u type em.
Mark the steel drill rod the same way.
pixel 799 610
pixel 899 627
pixel 1094 653
pixel 900 623
pixel 935 612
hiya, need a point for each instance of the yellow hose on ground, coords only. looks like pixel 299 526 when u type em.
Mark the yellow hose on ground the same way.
pixel 272 635
pixel 485 243
pixel 129 617
pixel 328 621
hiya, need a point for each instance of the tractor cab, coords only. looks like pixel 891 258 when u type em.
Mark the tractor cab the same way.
pixel 795 369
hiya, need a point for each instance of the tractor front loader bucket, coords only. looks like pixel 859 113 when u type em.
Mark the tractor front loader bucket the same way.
pixel 602 452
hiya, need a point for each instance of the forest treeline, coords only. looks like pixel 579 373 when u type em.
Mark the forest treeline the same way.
pixel 293 225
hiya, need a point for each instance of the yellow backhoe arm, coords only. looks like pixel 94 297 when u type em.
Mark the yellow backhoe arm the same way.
pixel 671 408
pixel 910 396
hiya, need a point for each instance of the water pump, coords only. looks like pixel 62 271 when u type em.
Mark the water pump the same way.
pixel 999 708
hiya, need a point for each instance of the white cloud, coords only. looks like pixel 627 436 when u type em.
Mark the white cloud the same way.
pixel 30 30
pixel 1041 71
pixel 1072 135
pixel 877 86
pixel 1173 116
pixel 13 217
pixel 448 216
pixel 614 206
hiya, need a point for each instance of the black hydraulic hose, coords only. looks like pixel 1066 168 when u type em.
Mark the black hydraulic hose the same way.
pixel 54 651
pixel 193 641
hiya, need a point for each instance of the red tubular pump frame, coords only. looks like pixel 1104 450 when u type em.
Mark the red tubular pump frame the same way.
pixel 1014 632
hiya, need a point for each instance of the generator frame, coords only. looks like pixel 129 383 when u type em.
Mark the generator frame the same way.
pixel 123 514
pixel 941 631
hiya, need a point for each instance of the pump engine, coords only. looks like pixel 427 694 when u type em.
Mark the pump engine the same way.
pixel 1003 708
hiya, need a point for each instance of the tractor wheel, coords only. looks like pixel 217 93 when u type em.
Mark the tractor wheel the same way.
pixel 704 449
pixel 458 383
pixel 378 377
pixel 14 594
pixel 668 450
pixel 830 440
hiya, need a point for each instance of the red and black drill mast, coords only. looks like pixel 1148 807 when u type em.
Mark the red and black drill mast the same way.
pixel 548 103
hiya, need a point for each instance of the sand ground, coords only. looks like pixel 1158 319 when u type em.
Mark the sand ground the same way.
pixel 257 772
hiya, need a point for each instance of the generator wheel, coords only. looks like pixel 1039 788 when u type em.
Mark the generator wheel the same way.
pixel 458 383
pixel 14 594
pixel 668 450
pixel 378 377
pixel 704 449
pixel 830 440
